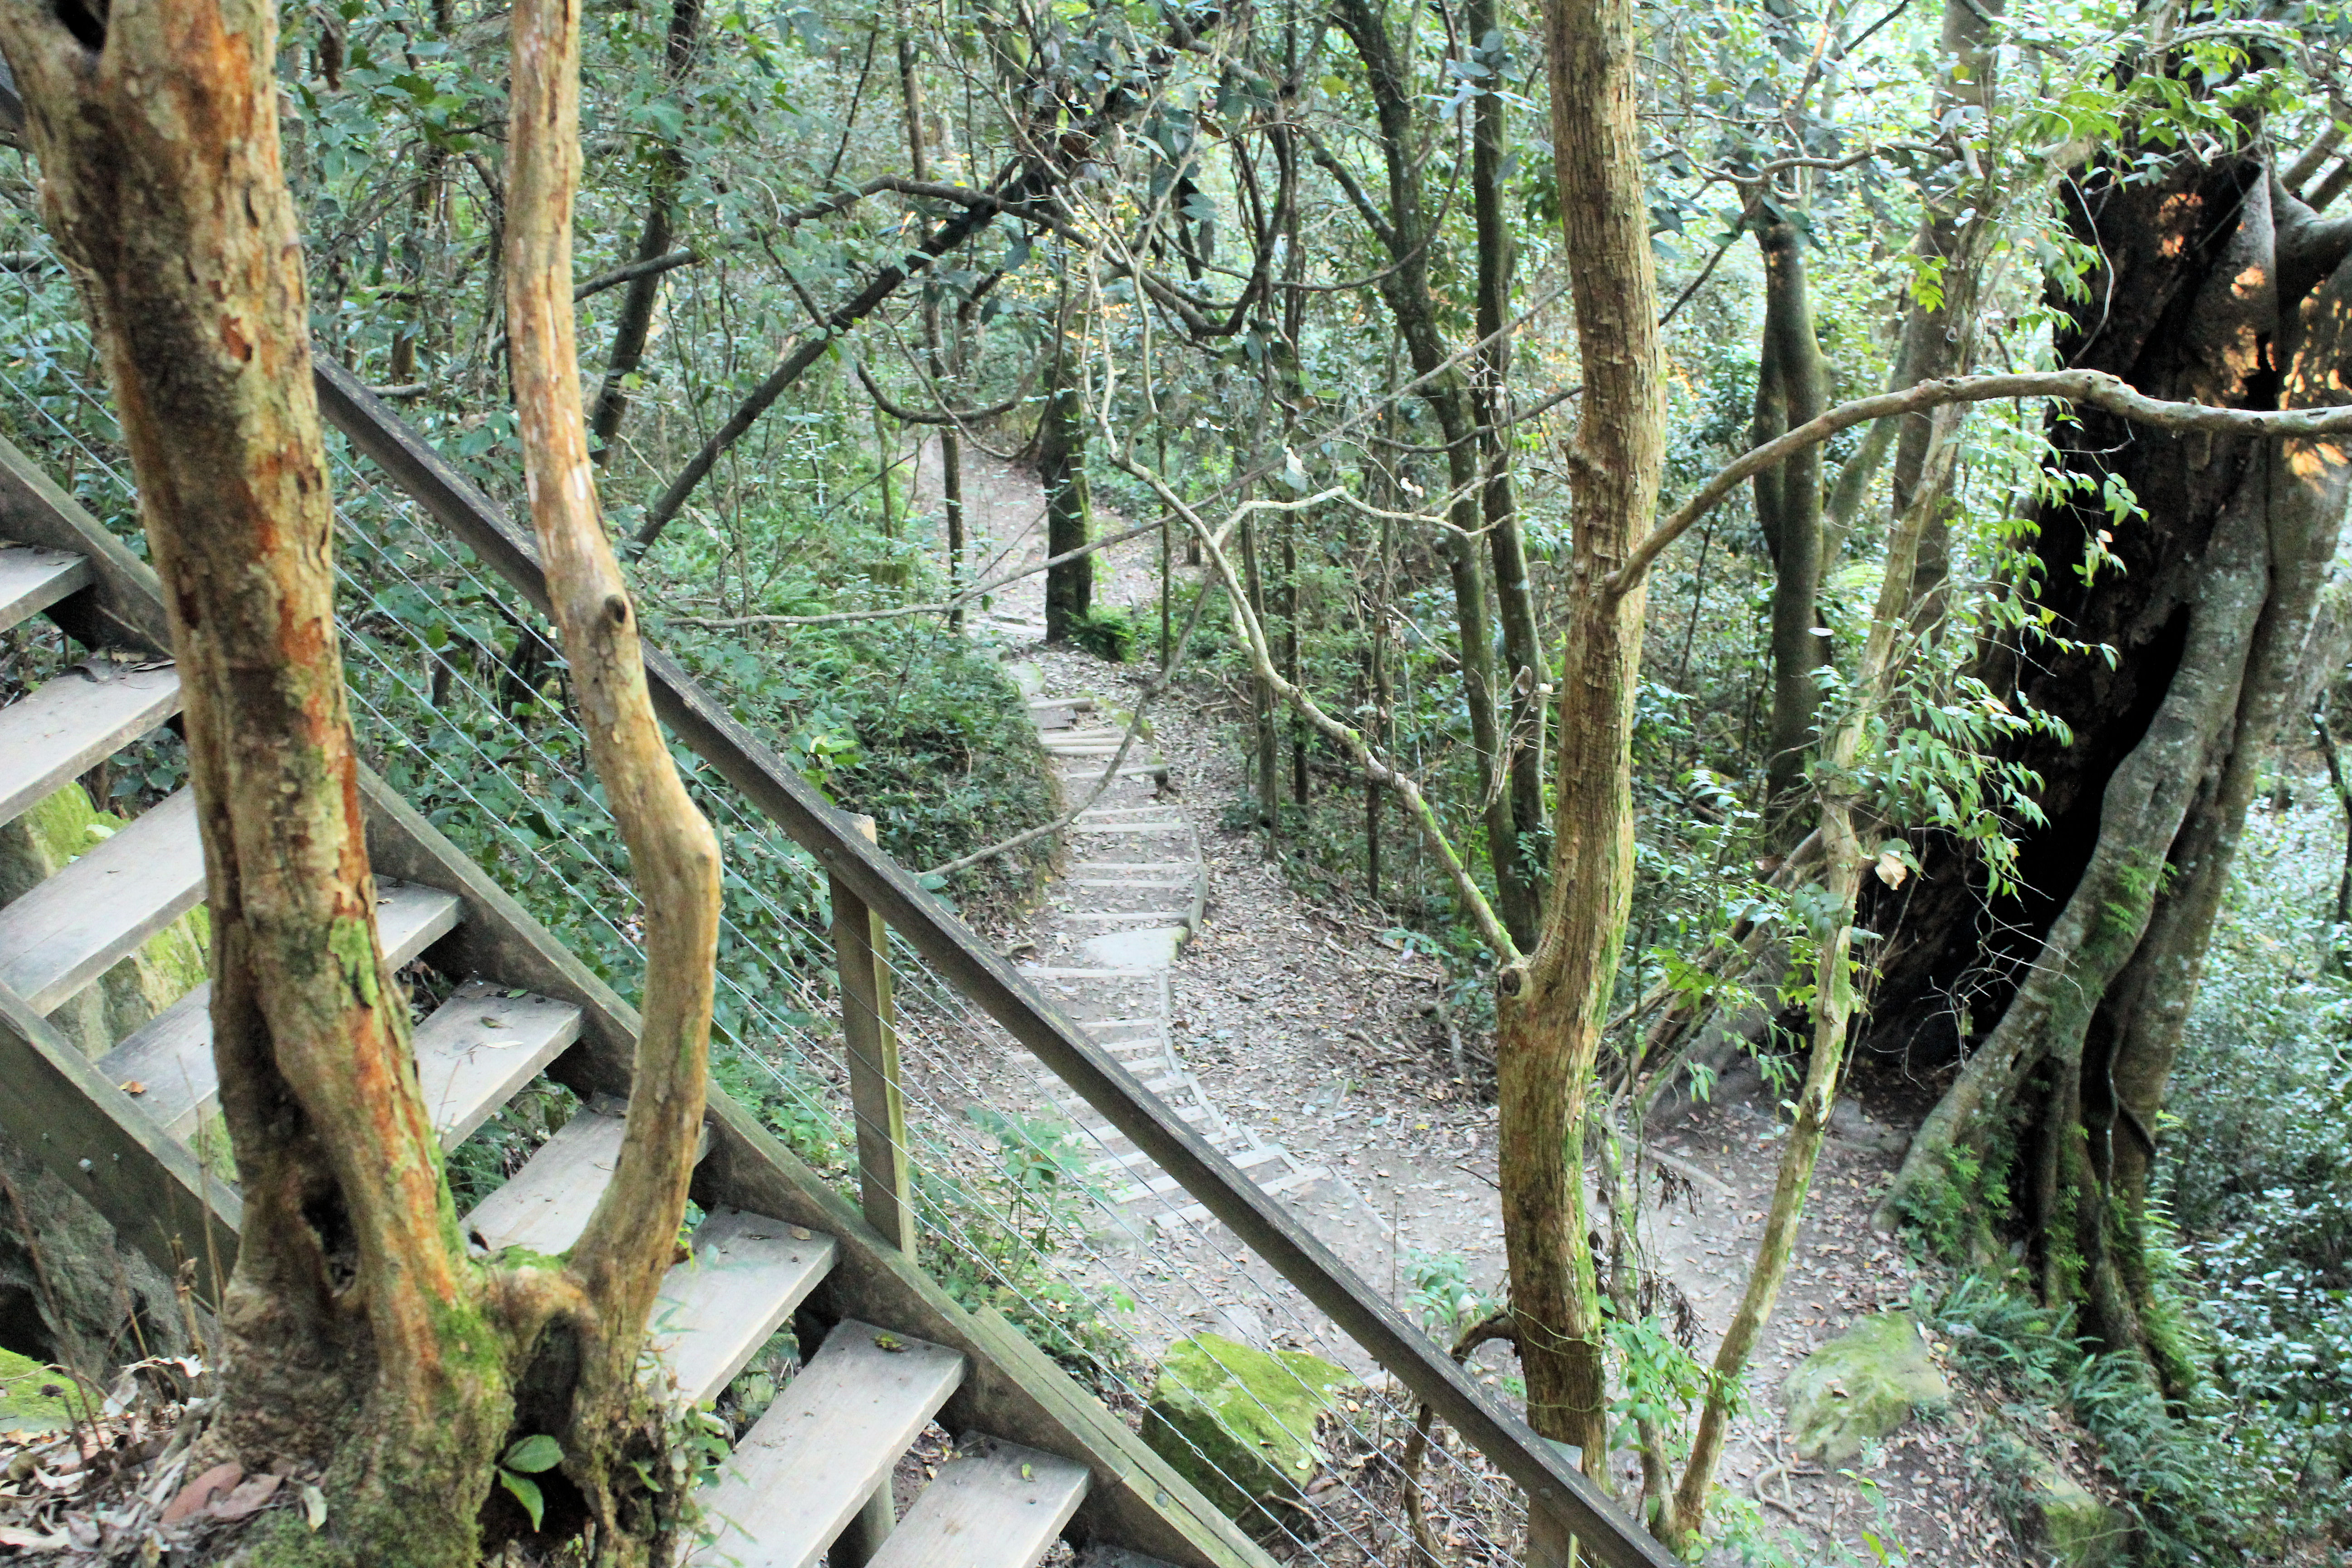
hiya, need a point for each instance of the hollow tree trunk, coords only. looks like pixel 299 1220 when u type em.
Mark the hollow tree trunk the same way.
pixel 2218 288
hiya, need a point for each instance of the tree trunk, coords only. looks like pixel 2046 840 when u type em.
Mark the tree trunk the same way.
pixel 2221 289
pixel 1788 392
pixel 1550 1010
pixel 1406 234
pixel 355 1336
pixel 1525 670
pixel 919 164
pixel 636 318
pixel 1061 469
pixel 619 1261
pixel 360 1338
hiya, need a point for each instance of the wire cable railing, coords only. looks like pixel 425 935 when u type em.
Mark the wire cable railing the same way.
pixel 456 696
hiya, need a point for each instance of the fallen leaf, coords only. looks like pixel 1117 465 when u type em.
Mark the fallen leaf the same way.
pixel 200 1491
pixel 31 1539
pixel 314 1505
pixel 247 1500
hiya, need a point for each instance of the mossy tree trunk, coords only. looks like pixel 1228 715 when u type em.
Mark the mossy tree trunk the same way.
pixel 2218 287
pixel 1551 1008
pixel 360 1338
pixel 1062 471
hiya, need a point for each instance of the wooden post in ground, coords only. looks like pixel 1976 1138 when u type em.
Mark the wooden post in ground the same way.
pixel 861 950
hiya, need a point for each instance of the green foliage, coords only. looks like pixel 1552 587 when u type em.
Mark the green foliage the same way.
pixel 522 1462
pixel 1105 632
pixel 1008 1233
pixel 1950 1210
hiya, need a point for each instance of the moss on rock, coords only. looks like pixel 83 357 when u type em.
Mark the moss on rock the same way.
pixel 33 1397
pixel 2073 1528
pixel 1239 1423
pixel 1860 1386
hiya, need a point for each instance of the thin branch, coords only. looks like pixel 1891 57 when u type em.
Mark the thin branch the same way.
pixel 2096 388
pixel 645 269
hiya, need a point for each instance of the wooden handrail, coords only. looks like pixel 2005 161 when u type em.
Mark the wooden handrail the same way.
pixel 1605 1532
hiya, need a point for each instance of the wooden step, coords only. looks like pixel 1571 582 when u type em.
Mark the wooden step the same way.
pixel 717 1309
pixel 715 1312
pixel 73 928
pixel 66 727
pixel 994 1505
pixel 171 1056
pixel 481 1046
pixel 31 580
pixel 827 1444
pixel 546 1205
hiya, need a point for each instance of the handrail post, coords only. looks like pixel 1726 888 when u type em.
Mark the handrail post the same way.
pixel 861 951
pixel 1550 1542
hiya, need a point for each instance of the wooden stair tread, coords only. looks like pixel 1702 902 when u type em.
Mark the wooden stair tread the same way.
pixel 715 1310
pixel 31 580
pixel 827 1444
pixel 546 1205
pixel 66 727
pixel 74 927
pixel 481 1046
pixel 170 1056
pixel 747 1275
pixel 994 1505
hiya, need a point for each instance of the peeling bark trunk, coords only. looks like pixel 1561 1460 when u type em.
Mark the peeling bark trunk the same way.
pixel 355 1336
pixel 360 1336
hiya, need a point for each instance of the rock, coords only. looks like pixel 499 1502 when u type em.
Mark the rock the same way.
pixel 1239 1424
pixel 78 1294
pixel 1860 1386
pixel 33 1397
pixel 2072 1527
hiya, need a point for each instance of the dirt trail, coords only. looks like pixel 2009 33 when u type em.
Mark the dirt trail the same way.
pixel 1297 1016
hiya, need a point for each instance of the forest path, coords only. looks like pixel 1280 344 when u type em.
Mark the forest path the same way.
pixel 1302 1014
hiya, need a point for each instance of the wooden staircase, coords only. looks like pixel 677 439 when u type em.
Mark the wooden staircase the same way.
pixel 886 1352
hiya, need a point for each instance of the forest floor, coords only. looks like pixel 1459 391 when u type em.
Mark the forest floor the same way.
pixel 1298 1013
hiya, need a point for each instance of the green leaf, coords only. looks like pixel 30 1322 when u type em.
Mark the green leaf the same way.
pixel 532 1454
pixel 526 1492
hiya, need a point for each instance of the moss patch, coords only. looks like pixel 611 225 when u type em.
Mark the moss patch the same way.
pixel 33 1397
pixel 1860 1386
pixel 1239 1423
